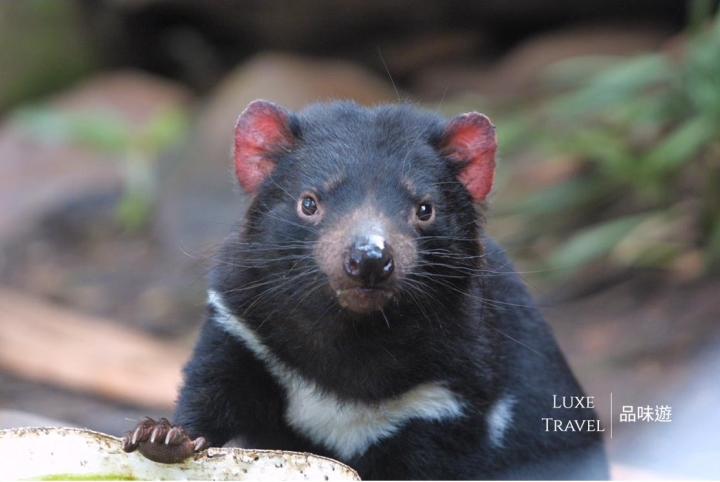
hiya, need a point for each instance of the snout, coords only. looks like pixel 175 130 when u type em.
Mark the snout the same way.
pixel 369 260
pixel 365 257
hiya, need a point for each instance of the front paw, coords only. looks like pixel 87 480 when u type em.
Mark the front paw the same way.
pixel 162 441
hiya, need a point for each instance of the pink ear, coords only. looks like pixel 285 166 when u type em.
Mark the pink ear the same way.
pixel 470 139
pixel 261 131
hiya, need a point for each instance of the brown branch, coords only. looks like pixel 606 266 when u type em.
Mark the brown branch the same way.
pixel 52 344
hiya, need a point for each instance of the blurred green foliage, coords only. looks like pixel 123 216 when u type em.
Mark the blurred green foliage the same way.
pixel 136 147
pixel 643 134
pixel 43 48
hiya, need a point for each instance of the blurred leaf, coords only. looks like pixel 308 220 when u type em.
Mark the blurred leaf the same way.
pixel 658 239
pixel 653 254
pixel 702 75
pixel 699 11
pixel 44 124
pixel 615 85
pixel 702 78
pixel 592 243
pixel 606 147
pixel 515 132
pixel 133 212
pixel 681 145
pixel 573 193
pixel 99 130
pixel 576 70
pixel 712 252
pixel 165 128
pixel 642 110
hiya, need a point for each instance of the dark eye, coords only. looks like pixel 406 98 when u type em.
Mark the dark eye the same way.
pixel 424 212
pixel 308 205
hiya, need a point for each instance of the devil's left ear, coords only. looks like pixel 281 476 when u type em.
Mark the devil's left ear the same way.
pixel 470 139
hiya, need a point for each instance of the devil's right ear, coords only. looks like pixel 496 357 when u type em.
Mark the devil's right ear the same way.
pixel 261 131
pixel 469 139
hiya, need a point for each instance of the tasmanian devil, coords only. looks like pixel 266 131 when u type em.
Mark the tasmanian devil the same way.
pixel 360 312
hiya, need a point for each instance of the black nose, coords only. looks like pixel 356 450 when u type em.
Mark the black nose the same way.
pixel 369 260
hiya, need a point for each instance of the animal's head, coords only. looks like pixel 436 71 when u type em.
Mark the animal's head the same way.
pixel 362 208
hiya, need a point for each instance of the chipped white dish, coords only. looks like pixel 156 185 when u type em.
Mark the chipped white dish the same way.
pixel 77 454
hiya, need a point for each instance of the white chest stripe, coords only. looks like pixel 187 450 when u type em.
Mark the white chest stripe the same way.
pixel 347 428
pixel 499 419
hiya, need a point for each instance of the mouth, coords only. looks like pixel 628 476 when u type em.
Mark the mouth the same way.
pixel 363 299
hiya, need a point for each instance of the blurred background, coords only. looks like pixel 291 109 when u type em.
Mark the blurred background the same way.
pixel 116 119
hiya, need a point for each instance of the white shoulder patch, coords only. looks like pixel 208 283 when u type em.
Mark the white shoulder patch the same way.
pixel 499 418
pixel 347 428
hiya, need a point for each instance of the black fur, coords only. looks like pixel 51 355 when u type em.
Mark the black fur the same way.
pixel 463 316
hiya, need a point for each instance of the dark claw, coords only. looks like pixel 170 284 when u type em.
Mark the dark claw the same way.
pixel 162 441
